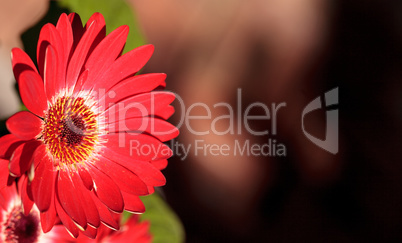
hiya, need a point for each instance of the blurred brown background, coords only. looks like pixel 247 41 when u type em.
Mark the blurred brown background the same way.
pixel 288 51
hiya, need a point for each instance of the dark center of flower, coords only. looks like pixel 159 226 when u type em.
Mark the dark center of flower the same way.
pixel 18 227
pixel 70 130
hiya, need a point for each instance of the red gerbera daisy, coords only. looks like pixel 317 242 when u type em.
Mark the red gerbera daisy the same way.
pixel 130 231
pixel 17 225
pixel 92 140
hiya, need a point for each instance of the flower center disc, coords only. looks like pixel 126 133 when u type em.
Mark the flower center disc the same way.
pixel 18 227
pixel 70 131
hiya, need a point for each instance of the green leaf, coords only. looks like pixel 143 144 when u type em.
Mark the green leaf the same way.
pixel 165 225
pixel 116 13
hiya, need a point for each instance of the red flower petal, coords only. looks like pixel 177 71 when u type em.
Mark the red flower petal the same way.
pixel 21 159
pixel 143 169
pixel 48 218
pixel 91 213
pixel 99 18
pixel 131 86
pixel 24 125
pixel 85 177
pixel 7 194
pixel 95 27
pixel 90 233
pixel 66 33
pixel 133 203
pixel 151 189
pixel 166 113
pixel 105 215
pixel 158 128
pixel 104 55
pixel 53 77
pixel 141 228
pixel 50 36
pixel 33 93
pixel 42 185
pixel 124 178
pixel 141 105
pixel 137 146
pixel 8 144
pixel 76 25
pixel 159 164
pixel 3 173
pixel 124 66
pixel 70 198
pixel 135 232
pixel 106 190
pixel 27 203
pixel 83 78
pixel 21 62
pixel 66 220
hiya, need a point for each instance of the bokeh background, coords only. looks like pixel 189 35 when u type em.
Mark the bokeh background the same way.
pixel 274 51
